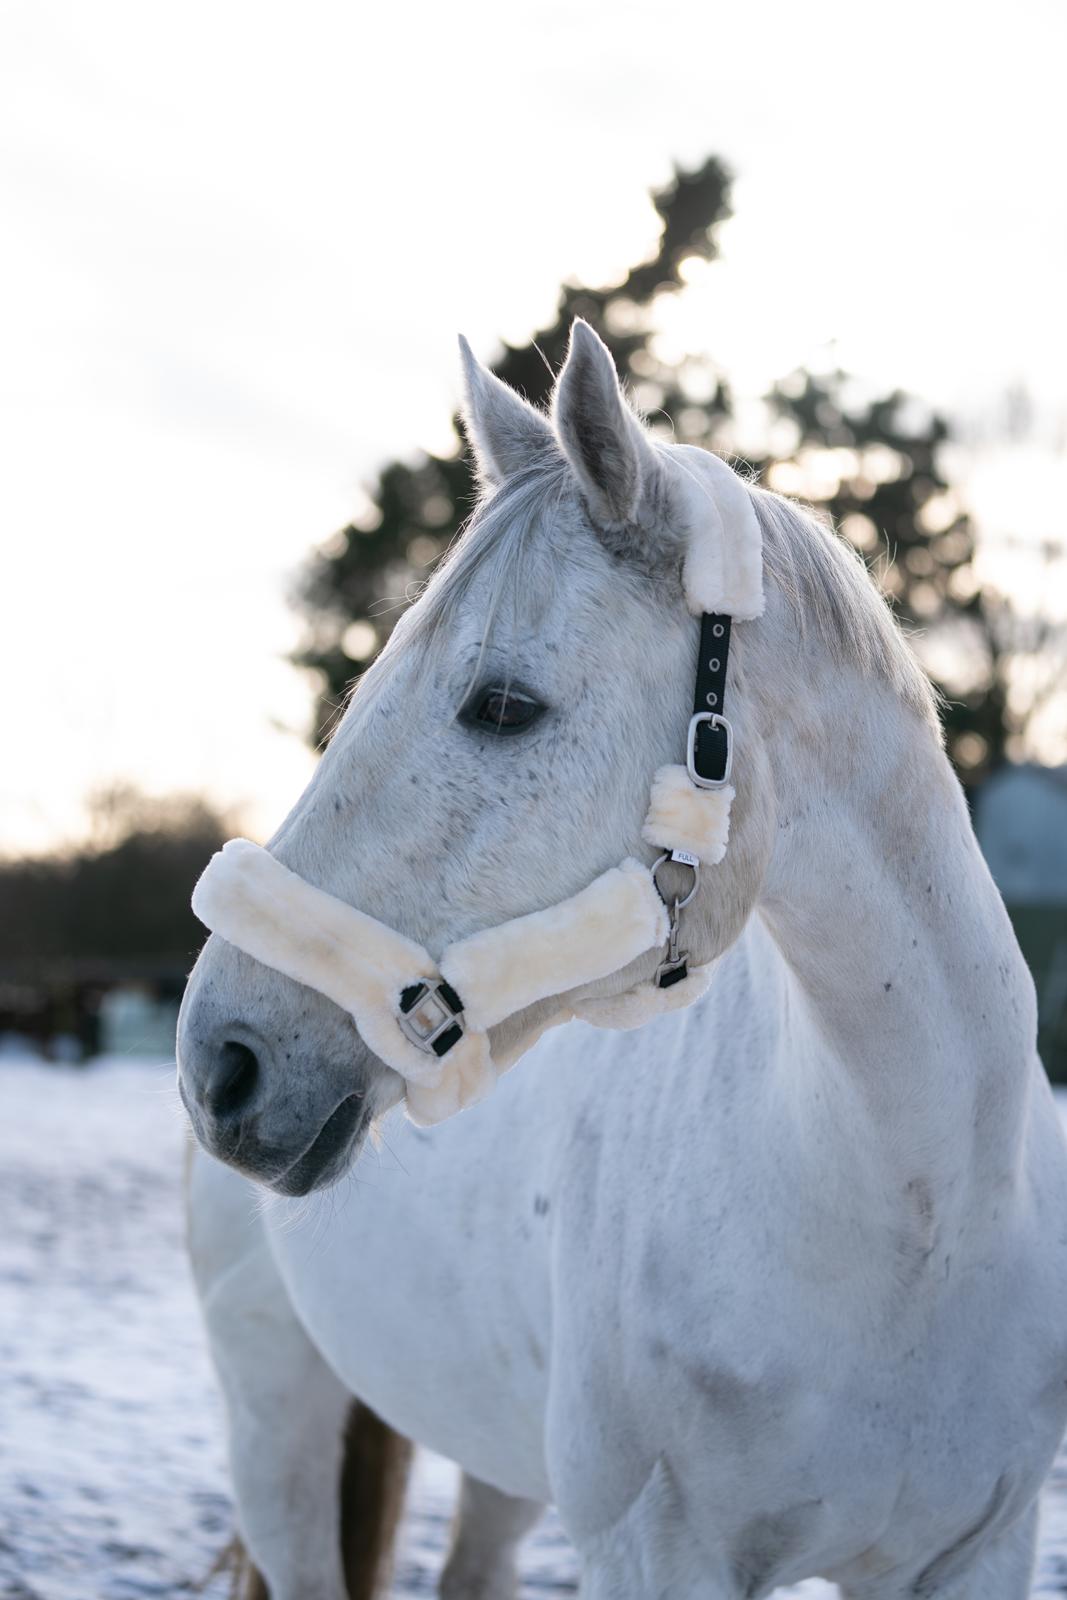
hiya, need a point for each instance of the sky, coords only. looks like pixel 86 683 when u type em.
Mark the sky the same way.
pixel 239 240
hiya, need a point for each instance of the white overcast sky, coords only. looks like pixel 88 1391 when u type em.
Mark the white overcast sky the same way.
pixel 238 240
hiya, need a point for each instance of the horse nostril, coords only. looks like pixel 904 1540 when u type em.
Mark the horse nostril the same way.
pixel 234 1081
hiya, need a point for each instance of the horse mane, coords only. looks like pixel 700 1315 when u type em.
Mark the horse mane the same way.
pixel 825 581
pixel 830 589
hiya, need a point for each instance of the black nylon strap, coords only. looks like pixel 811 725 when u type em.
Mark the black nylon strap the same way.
pixel 711 748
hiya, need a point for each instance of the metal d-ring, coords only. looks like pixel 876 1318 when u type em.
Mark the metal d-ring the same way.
pixel 679 905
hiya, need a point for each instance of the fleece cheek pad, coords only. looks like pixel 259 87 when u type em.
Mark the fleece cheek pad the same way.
pixel 596 932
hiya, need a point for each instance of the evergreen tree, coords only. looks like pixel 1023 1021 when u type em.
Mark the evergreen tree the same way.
pixel 872 465
pixel 873 468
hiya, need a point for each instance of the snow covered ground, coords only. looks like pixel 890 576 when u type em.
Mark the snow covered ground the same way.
pixel 112 1472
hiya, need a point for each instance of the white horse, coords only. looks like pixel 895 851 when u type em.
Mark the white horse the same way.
pixel 774 1286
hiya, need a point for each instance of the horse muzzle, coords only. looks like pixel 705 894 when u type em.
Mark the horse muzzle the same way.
pixel 289 1102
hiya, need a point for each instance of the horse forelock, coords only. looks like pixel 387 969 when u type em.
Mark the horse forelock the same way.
pixel 506 542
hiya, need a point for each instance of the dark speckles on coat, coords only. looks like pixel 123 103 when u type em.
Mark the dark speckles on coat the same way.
pixel 918 1237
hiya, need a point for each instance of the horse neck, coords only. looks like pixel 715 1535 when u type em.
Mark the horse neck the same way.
pixel 882 907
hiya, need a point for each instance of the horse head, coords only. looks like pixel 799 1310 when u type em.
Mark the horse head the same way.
pixel 498 756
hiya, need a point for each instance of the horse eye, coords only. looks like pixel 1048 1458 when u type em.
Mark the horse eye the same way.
pixel 501 710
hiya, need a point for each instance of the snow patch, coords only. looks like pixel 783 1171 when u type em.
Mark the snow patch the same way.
pixel 113 1480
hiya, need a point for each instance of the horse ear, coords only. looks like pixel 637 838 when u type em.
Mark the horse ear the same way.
pixel 603 440
pixel 503 430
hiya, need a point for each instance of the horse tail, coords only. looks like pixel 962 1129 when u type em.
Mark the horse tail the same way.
pixel 374 1477
pixel 374 1474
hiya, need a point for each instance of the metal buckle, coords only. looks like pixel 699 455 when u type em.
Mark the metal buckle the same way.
pixel 716 721
pixel 431 1016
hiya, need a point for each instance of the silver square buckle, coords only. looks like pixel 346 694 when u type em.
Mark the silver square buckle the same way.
pixel 431 1016
pixel 716 721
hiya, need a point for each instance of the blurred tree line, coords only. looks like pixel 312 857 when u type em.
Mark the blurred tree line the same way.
pixel 873 464
pixel 121 898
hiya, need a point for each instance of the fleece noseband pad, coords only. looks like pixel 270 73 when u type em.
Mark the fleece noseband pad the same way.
pixel 255 903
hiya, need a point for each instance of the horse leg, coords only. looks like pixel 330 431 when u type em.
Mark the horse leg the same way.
pixel 482 1564
pixel 285 1408
pixel 286 1422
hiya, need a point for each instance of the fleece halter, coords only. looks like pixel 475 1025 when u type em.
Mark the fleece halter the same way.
pixel 429 1020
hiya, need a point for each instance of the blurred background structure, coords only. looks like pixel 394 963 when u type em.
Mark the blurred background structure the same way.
pixel 240 248
pixel 96 939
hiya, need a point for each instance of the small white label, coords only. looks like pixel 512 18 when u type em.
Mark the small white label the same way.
pixel 686 857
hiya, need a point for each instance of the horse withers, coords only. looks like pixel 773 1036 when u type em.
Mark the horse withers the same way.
pixel 772 1286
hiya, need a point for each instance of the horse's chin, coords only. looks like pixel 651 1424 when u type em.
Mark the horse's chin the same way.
pixel 331 1152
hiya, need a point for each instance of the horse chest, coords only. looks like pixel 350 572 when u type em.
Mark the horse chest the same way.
pixel 793 1457
pixel 878 1384
pixel 405 1290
